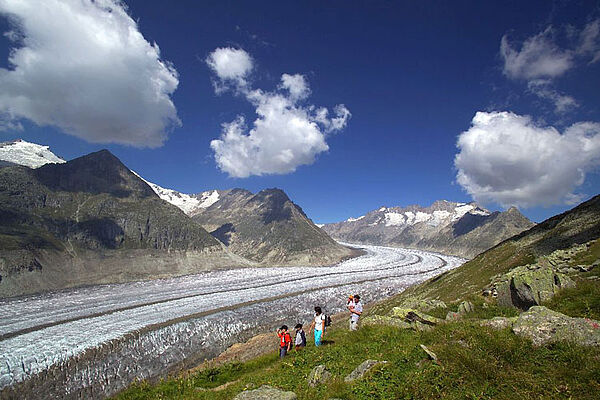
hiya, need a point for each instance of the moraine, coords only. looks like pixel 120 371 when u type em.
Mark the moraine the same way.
pixel 94 341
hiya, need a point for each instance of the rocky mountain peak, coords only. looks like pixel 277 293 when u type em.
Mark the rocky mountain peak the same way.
pixel 99 172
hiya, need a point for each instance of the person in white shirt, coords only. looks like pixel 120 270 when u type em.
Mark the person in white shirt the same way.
pixel 356 312
pixel 318 325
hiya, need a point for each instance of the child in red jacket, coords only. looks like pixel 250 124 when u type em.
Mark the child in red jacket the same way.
pixel 285 341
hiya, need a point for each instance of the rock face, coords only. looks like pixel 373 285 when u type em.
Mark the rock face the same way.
pixel 268 227
pixel 543 325
pixel 318 376
pixel 91 220
pixel 530 285
pixel 364 368
pixel 451 228
pixel 266 393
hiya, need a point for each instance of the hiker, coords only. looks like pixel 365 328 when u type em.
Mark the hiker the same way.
pixel 356 311
pixel 300 338
pixel 285 341
pixel 350 307
pixel 318 324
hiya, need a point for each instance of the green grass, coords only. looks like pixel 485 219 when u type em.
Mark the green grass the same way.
pixel 475 363
pixel 582 301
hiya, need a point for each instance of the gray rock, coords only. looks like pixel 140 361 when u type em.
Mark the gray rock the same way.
pixel 423 305
pixel 499 322
pixel 318 375
pixel 543 325
pixel 466 307
pixel 430 353
pixel 385 320
pixel 530 285
pixel 453 316
pixel 360 371
pixel 266 393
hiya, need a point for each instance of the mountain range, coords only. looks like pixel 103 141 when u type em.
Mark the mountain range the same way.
pixel 92 220
pixel 461 229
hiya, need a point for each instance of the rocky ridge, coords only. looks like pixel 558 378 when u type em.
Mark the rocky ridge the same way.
pixel 268 227
pixel 462 229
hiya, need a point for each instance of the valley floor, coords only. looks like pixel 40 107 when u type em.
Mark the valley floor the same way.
pixel 94 341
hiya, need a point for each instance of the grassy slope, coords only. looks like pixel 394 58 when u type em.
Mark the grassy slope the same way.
pixel 475 362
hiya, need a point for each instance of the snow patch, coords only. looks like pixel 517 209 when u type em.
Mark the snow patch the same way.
pixel 28 154
pixel 355 219
pixel 209 198
pixel 394 219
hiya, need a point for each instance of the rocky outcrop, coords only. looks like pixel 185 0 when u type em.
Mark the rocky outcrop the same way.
pixel 465 307
pixel 404 318
pixel 423 305
pixel 459 229
pixel 543 326
pixel 363 369
pixel 318 376
pixel 385 320
pixel 529 285
pixel 266 392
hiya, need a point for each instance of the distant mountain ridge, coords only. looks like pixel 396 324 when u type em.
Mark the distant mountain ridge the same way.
pixel 462 229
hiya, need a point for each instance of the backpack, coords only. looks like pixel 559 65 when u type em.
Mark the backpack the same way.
pixel 327 320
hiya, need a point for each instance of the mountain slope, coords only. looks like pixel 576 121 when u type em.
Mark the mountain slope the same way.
pixel 269 228
pixel 576 226
pixel 91 220
pixel 447 227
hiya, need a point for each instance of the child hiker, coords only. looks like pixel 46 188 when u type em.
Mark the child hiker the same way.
pixel 300 339
pixel 285 341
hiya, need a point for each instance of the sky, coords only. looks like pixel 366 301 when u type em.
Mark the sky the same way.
pixel 346 105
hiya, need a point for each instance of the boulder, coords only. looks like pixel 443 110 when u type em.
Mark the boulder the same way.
pixel 411 315
pixel 423 305
pixel 360 371
pixel 499 322
pixel 318 375
pixel 453 316
pixel 466 307
pixel 543 325
pixel 384 320
pixel 266 393
pixel 530 285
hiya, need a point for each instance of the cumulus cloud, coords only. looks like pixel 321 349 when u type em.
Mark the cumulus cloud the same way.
pixel 84 67
pixel 508 159
pixel 230 65
pixel 540 60
pixel 287 132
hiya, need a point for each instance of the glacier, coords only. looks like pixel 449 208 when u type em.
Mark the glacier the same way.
pixel 94 341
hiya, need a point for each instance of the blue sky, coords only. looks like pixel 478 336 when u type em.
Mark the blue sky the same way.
pixel 413 75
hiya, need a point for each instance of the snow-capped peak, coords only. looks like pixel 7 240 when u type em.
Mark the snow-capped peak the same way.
pixel 28 154
pixel 187 203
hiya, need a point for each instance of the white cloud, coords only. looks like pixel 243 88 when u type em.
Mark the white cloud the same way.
pixel 230 65
pixel 539 57
pixel 506 158
pixel 296 85
pixel 84 67
pixel 540 61
pixel 286 134
pixel 543 89
pixel 590 41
